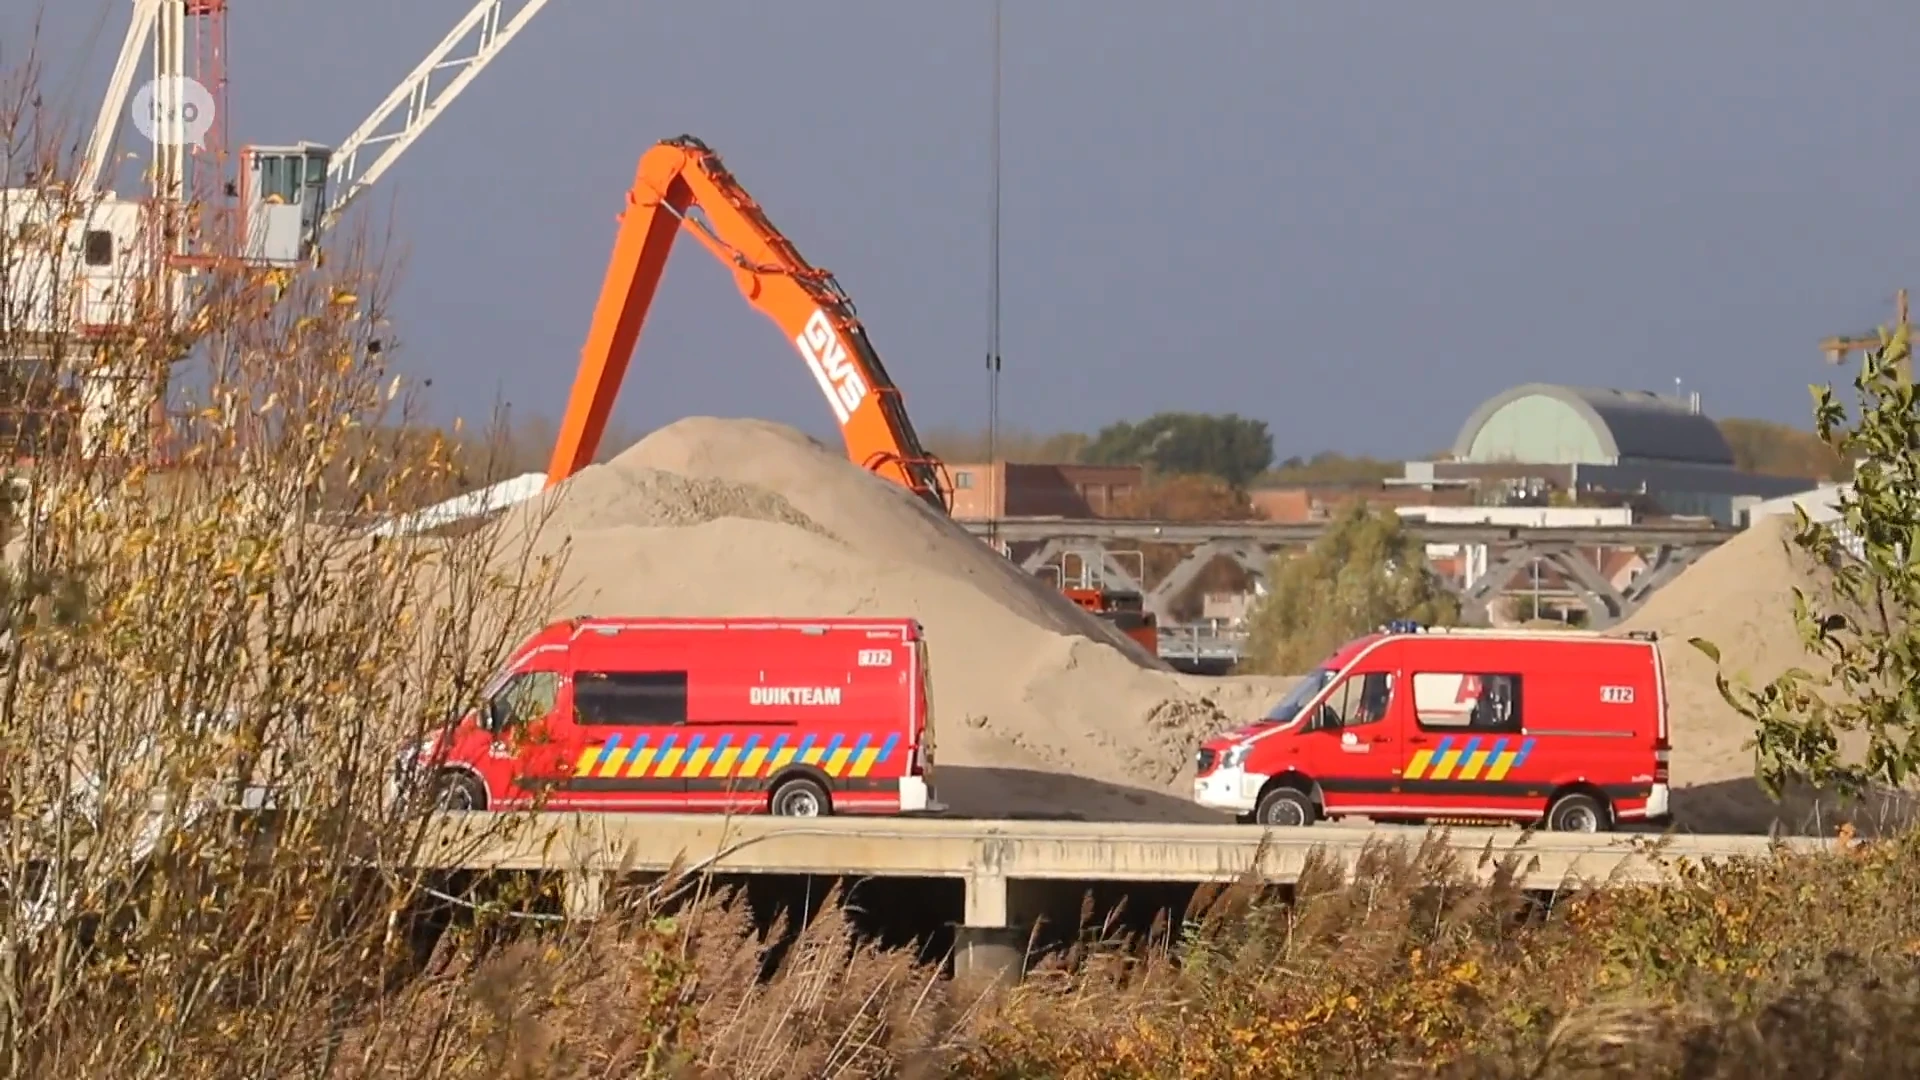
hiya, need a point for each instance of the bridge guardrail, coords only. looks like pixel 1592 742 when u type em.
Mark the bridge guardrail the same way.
pixel 1029 529
pixel 1202 641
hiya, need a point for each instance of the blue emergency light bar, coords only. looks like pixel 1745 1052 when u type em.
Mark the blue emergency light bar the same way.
pixel 1402 626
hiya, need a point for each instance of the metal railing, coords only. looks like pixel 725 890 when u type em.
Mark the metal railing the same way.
pixel 1210 640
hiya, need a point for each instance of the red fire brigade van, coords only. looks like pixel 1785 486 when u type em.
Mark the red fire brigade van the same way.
pixel 794 717
pixel 1568 728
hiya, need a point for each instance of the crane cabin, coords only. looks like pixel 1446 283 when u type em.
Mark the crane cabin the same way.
pixel 283 202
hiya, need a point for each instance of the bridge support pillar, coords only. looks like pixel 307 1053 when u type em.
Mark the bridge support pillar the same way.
pixel 994 939
pixel 584 895
pixel 991 953
pixel 991 942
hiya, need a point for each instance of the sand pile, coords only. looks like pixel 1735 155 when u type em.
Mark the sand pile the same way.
pixel 612 498
pixel 1039 707
pixel 1740 597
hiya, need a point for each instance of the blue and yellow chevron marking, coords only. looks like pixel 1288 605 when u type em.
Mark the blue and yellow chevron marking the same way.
pixel 644 756
pixel 786 757
pixel 612 755
pixel 682 768
pixel 723 758
pixel 1417 767
pixel 1476 759
pixel 813 754
pixel 842 756
pixel 1470 759
pixel 698 759
pixel 752 756
pixel 1504 759
pixel 757 756
pixel 637 757
pixel 868 756
pixel 825 759
pixel 670 758
pixel 1444 762
pixel 593 759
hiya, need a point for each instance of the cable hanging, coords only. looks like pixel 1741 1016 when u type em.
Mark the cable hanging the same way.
pixel 993 302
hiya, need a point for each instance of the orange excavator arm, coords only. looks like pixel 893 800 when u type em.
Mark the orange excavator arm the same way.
pixel 809 306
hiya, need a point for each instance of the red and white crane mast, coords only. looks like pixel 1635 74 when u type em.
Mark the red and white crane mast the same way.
pixel 270 208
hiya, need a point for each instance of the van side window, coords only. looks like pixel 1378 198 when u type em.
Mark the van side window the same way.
pixel 527 697
pixel 1466 701
pixel 630 698
pixel 1360 700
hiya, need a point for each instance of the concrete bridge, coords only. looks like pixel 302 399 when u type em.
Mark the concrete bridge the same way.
pixel 1012 873
pixel 1110 546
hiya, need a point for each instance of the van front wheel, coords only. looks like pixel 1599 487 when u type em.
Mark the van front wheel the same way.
pixel 1285 808
pixel 1577 812
pixel 800 797
pixel 458 792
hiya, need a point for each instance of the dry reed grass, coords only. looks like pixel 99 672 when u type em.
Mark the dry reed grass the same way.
pixel 1800 966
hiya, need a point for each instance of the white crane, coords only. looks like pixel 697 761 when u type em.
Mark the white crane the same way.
pixel 289 196
pixel 416 103
pixel 105 252
pixel 353 165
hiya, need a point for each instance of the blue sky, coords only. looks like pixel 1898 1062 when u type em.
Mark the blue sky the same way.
pixel 1353 220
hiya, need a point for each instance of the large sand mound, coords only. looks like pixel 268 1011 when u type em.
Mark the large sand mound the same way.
pixel 1740 597
pixel 1040 708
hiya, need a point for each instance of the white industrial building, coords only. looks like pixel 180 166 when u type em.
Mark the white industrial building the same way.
pixel 1821 504
pixel 1582 439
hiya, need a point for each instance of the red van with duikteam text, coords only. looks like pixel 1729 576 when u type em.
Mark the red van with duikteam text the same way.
pixel 1563 727
pixel 797 717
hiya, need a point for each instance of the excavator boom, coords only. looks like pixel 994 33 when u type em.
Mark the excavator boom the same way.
pixel 808 305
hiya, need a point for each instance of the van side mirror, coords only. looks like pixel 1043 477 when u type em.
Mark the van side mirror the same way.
pixel 497 715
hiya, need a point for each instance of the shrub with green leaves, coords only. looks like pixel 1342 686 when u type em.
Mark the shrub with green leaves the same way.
pixel 1858 624
pixel 1366 569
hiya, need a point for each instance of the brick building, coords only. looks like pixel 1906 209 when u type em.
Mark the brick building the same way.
pixel 1011 489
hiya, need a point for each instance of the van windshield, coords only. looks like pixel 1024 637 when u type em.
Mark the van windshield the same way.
pixel 1302 692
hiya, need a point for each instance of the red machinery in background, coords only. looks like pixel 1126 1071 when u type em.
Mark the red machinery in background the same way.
pixel 674 179
pixel 681 182
pixel 1083 580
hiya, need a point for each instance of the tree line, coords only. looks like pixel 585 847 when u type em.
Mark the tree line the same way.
pixel 1199 454
pixel 1239 451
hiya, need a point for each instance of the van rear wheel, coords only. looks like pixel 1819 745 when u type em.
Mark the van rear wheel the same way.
pixel 1577 812
pixel 800 797
pixel 1285 808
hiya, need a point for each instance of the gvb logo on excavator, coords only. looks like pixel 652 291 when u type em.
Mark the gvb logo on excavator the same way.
pixel 827 356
